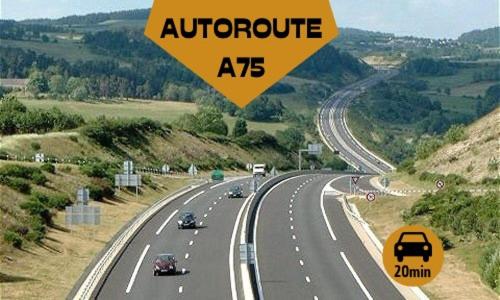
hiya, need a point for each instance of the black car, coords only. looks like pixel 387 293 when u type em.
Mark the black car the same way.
pixel 413 244
pixel 186 220
pixel 235 192
pixel 164 263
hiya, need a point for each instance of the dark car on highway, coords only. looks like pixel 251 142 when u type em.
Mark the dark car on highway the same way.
pixel 164 264
pixel 186 220
pixel 235 192
pixel 413 244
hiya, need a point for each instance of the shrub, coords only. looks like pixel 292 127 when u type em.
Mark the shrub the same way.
pixel 491 181
pixel 19 184
pixel 99 170
pixel 36 208
pixel 35 146
pixel 455 134
pixel 336 163
pixel 13 238
pixel 100 189
pixel 39 178
pixel 73 138
pixel 49 168
pixel 37 230
pixel 447 243
pixel 407 165
pixel 489 264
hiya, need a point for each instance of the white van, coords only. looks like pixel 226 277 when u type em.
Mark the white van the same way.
pixel 259 169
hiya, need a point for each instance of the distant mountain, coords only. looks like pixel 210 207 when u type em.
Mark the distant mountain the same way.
pixel 487 38
pixel 94 18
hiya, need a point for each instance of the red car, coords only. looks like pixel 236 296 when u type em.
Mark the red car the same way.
pixel 164 264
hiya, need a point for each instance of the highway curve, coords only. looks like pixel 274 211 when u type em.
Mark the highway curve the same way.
pixel 299 258
pixel 202 252
pixel 333 127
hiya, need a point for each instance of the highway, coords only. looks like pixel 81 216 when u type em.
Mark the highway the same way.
pixel 335 133
pixel 307 249
pixel 202 252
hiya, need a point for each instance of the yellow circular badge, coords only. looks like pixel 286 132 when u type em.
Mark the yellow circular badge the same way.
pixel 413 255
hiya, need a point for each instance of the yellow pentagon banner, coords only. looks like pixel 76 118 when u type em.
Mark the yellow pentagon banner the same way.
pixel 241 48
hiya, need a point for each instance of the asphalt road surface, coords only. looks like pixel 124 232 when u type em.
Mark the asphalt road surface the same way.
pixel 299 257
pixel 202 252
pixel 334 129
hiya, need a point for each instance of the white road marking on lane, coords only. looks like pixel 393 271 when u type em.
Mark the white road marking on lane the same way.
pixel 301 262
pixel 308 279
pixel 186 256
pixel 201 223
pixel 215 202
pixel 316 298
pixel 356 277
pixel 291 227
pixel 294 237
pixel 136 269
pixel 183 271
pixel 191 242
pixel 220 198
pixel 195 232
pixel 180 289
pixel 210 208
pixel 290 211
pixel 291 205
pixel 232 276
pixel 205 215
pixel 166 222
pixel 297 249
pixel 192 197
pixel 291 219
pixel 322 204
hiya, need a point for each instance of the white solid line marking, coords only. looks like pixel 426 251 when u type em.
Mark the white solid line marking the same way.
pixel 136 269
pixel 205 215
pixel 322 204
pixel 361 285
pixel 192 197
pixel 301 262
pixel 308 279
pixel 186 256
pixel 195 232
pixel 294 237
pixel 297 249
pixel 191 242
pixel 166 222
pixel 180 289
pixel 232 276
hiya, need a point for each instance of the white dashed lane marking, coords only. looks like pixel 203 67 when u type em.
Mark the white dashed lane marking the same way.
pixel 301 262
pixel 180 289
pixel 297 249
pixel 186 256
pixel 308 279
pixel 191 242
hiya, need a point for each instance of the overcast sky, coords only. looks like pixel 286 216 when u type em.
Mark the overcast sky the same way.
pixel 423 18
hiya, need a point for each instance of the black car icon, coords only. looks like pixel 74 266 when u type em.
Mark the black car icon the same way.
pixel 413 244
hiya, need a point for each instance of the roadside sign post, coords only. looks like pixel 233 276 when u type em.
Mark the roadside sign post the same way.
pixel 353 184
pixel 193 171
pixel 128 178
pixel 82 196
pixel 312 149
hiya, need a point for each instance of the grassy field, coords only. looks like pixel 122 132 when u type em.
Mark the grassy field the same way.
pixel 456 103
pixel 66 49
pixel 163 111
